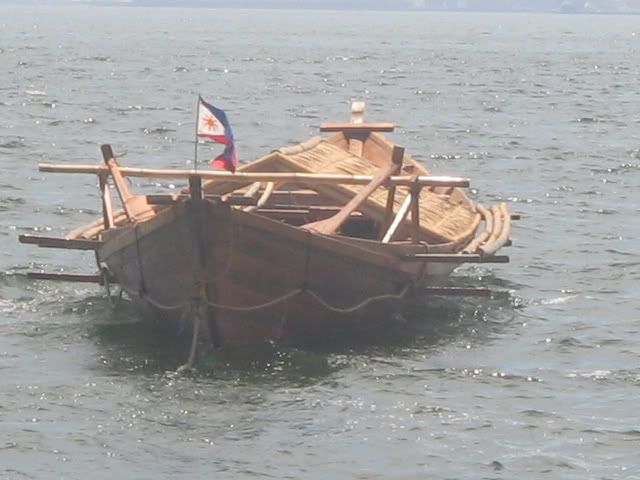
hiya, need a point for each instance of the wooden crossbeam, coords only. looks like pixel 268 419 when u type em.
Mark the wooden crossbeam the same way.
pixel 250 177
pixel 161 199
pixel 68 277
pixel 456 258
pixel 360 128
pixel 65 243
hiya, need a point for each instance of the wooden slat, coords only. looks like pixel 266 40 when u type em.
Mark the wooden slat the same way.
pixel 415 213
pixel 66 277
pixel 391 192
pixel 162 199
pixel 357 127
pixel 456 258
pixel 195 188
pixel 245 177
pixel 65 243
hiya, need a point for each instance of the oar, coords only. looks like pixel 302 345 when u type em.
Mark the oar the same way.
pixel 332 224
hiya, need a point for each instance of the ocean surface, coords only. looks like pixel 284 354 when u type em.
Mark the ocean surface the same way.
pixel 540 381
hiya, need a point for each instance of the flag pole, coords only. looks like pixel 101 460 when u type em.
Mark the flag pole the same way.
pixel 195 162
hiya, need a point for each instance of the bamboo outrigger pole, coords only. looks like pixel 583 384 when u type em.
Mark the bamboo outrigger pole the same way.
pixel 251 177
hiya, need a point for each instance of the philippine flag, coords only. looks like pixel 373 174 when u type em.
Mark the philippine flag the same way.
pixel 213 124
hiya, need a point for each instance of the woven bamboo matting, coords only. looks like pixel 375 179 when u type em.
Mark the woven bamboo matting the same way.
pixel 439 217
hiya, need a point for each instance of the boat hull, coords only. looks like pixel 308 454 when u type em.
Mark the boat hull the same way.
pixel 259 279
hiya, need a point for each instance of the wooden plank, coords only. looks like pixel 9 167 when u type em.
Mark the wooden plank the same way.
pixel 66 277
pixel 356 144
pixel 415 213
pixel 362 128
pixel 249 177
pixel 121 186
pixel 456 258
pixel 65 243
pixel 164 199
pixel 397 159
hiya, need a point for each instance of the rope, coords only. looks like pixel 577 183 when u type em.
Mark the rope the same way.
pixel 261 306
pixel 162 306
pixel 199 318
pixel 315 296
pixel 361 305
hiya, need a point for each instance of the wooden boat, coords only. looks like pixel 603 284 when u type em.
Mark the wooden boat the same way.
pixel 308 242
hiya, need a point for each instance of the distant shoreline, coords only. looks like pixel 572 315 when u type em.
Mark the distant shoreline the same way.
pixel 252 5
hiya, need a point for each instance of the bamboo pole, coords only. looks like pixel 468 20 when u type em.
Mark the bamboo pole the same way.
pixel 399 218
pixel 250 177
pixel 455 258
pixel 107 208
pixel 118 180
pixel 415 213
pixel 501 239
pixel 65 243
pixel 363 128
pixel 397 157
pixel 264 198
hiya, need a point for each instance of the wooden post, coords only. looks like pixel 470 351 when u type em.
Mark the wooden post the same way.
pixel 415 212
pixel 118 179
pixel 396 157
pixel 195 188
pixel 107 209
pixel 356 142
pixel 357 112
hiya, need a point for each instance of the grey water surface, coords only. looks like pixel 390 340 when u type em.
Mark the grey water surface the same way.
pixel 540 381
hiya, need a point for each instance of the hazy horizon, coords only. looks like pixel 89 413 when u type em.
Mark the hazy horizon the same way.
pixel 533 6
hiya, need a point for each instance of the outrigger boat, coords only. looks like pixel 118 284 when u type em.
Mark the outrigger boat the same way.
pixel 308 242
